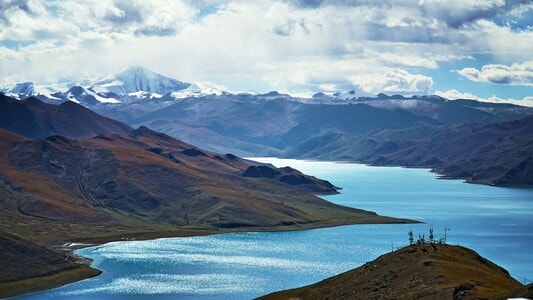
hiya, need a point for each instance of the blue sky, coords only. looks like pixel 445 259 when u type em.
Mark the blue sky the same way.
pixel 480 49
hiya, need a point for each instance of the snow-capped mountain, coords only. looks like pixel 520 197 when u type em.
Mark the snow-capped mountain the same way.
pixel 340 96
pixel 86 97
pixel 132 79
pixel 27 89
pixel 200 89
pixel 23 88
pixel 128 85
pixel 134 90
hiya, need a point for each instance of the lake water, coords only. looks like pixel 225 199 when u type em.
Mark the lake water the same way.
pixel 495 222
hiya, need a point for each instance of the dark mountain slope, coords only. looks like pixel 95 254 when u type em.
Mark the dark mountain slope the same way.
pixel 315 120
pixel 27 168
pixel 499 154
pixel 291 177
pixel 256 126
pixel 452 111
pixel 268 124
pixel 253 124
pixel 35 119
pixel 28 267
pixel 417 272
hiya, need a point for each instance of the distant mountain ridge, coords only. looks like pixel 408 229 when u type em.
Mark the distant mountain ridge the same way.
pixel 326 126
pixel 133 79
pixel 260 125
pixel 494 154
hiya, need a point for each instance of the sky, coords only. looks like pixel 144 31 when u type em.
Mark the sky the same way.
pixel 480 49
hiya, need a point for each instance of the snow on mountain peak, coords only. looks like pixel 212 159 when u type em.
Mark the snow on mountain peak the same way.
pixel 23 88
pixel 200 89
pixel 84 96
pixel 132 79
pixel 27 89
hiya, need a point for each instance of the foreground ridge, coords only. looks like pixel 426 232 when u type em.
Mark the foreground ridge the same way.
pixel 418 271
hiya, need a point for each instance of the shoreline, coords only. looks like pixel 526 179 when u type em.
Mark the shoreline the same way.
pixel 48 281
pixel 84 270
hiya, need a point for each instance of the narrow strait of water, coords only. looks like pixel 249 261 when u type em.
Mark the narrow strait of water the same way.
pixel 495 222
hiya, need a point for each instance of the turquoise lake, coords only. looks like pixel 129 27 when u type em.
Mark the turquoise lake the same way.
pixel 494 221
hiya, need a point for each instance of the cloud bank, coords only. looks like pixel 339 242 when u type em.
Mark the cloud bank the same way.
pixel 292 45
pixel 455 94
pixel 515 74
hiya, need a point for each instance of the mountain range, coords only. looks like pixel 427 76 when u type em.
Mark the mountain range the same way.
pixel 414 131
pixel 494 154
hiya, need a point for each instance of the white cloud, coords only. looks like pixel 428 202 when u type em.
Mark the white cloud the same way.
pixel 33 22
pixel 452 13
pixel 267 44
pixel 7 54
pixel 501 41
pixel 398 60
pixel 62 20
pixel 515 74
pixel 457 13
pixel 455 94
pixel 394 81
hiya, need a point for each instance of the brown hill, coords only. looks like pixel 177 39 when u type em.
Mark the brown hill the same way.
pixel 422 271
pixel 125 178
pixel 146 185
pixel 35 119
pixel 188 155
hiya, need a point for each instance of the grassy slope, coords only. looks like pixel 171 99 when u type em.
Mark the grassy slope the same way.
pixel 416 272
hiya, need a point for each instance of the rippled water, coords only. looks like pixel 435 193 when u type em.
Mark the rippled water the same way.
pixel 496 222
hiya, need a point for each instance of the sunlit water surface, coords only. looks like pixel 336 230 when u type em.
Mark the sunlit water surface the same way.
pixel 495 222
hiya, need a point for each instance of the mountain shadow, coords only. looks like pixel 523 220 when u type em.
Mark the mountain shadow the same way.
pixel 35 119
